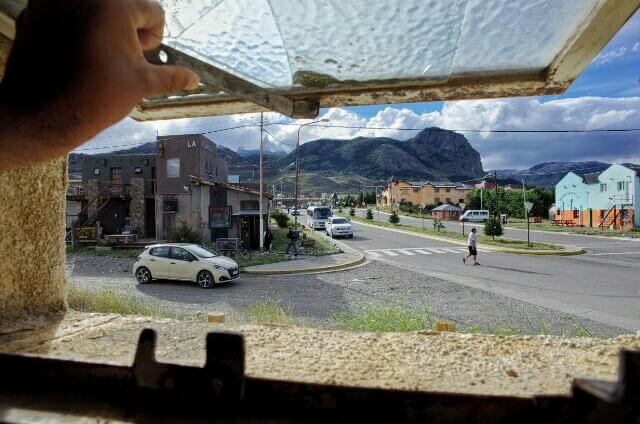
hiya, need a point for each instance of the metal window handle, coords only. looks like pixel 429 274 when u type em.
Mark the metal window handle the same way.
pixel 152 260
pixel 173 263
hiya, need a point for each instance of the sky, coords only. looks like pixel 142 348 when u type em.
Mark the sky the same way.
pixel 605 96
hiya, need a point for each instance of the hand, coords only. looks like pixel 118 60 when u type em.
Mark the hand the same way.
pixel 77 67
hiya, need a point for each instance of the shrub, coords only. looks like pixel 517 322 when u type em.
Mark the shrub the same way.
pixel 352 212
pixel 394 218
pixel 340 209
pixel 369 214
pixel 185 234
pixel 281 218
pixel 493 227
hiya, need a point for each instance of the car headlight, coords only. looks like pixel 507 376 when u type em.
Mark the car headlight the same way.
pixel 218 266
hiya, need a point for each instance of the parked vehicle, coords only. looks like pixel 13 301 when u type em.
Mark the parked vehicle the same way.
pixel 337 226
pixel 317 217
pixel 186 262
pixel 474 215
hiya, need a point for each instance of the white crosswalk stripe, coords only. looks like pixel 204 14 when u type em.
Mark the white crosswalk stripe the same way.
pixel 412 251
pixel 406 252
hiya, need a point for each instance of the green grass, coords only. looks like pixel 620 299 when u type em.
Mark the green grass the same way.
pixel 114 252
pixel 379 318
pixel 267 313
pixel 454 235
pixel 106 301
pixel 322 247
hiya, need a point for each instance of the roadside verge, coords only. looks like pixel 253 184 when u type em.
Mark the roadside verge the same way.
pixel 566 250
pixel 311 264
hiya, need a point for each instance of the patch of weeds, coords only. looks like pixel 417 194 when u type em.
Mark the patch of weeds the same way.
pixel 472 328
pixel 268 313
pixel 580 331
pixel 383 319
pixel 112 303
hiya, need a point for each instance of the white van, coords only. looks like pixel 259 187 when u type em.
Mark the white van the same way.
pixel 317 217
pixel 475 216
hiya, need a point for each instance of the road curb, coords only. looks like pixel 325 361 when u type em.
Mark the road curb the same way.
pixel 348 264
pixel 568 250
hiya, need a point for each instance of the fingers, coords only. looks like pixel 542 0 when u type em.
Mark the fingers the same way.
pixel 149 22
pixel 165 79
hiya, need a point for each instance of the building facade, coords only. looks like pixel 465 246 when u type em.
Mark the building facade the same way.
pixel 118 192
pixel 608 199
pixel 192 188
pixel 424 193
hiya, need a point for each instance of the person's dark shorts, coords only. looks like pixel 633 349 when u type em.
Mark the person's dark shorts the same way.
pixel 473 251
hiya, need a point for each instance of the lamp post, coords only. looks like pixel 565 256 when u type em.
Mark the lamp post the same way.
pixel 295 217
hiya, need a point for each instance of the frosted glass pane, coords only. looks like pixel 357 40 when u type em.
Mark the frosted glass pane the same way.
pixel 285 43
pixel 516 35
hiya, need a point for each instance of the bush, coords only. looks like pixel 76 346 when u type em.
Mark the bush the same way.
pixel 352 212
pixel 369 214
pixel 185 234
pixel 339 209
pixel 281 218
pixel 493 227
pixel 394 218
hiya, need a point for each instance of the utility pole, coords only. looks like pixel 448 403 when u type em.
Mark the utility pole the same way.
pixel 526 212
pixel 495 182
pixel 481 190
pixel 298 166
pixel 261 154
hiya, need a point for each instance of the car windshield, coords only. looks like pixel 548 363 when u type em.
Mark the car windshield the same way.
pixel 339 221
pixel 322 213
pixel 201 252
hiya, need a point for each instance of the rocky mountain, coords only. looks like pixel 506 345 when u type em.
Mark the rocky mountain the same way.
pixel 432 154
pixel 548 174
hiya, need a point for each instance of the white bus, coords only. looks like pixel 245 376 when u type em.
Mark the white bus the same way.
pixel 317 217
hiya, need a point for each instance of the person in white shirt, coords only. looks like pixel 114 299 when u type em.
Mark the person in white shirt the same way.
pixel 473 244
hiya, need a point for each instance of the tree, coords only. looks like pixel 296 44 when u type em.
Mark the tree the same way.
pixel 394 218
pixel 352 212
pixel 281 218
pixel 185 234
pixel 493 227
pixel 369 214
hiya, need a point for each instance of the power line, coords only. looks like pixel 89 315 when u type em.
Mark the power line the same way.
pixel 364 127
pixel 279 140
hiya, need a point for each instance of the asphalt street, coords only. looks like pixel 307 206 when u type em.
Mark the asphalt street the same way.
pixel 602 285
pixel 619 249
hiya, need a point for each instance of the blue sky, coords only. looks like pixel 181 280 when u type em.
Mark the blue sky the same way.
pixel 606 95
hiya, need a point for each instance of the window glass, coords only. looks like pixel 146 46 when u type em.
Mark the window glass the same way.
pixel 339 221
pixel 173 168
pixel 202 252
pixel 575 213
pixel 96 171
pixel 603 187
pixel 138 170
pixel 321 213
pixel 162 251
pixel 180 254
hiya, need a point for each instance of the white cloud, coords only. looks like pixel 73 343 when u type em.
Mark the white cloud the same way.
pixel 498 150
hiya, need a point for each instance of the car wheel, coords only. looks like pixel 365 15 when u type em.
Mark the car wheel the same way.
pixel 333 235
pixel 205 279
pixel 143 275
pixel 350 235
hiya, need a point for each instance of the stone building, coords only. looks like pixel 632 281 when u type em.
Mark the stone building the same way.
pixel 424 193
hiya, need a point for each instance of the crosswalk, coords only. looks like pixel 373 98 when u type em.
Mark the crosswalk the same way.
pixel 415 251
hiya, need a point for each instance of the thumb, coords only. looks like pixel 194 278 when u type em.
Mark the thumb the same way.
pixel 165 79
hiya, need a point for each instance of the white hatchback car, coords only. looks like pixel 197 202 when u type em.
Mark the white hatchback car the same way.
pixel 187 262
pixel 337 226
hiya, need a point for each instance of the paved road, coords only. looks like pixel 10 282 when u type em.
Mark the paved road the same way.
pixel 597 286
pixel 617 249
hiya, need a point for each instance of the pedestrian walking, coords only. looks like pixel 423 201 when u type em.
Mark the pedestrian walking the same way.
pixel 293 236
pixel 268 239
pixel 473 247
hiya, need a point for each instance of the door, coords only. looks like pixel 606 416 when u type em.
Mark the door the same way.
pixel 159 262
pixel 181 264
pixel 168 225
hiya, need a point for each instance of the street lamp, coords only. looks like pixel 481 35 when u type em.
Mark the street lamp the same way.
pixel 295 217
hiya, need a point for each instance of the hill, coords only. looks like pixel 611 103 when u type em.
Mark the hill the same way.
pixel 548 174
pixel 433 154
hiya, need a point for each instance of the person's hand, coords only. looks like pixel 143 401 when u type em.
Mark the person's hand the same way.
pixel 77 67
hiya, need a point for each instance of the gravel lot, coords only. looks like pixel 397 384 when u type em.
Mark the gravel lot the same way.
pixel 316 299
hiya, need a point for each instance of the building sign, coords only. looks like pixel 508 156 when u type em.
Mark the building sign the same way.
pixel 220 217
pixel 86 233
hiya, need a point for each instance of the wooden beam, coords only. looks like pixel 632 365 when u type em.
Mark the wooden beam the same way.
pixel 604 21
